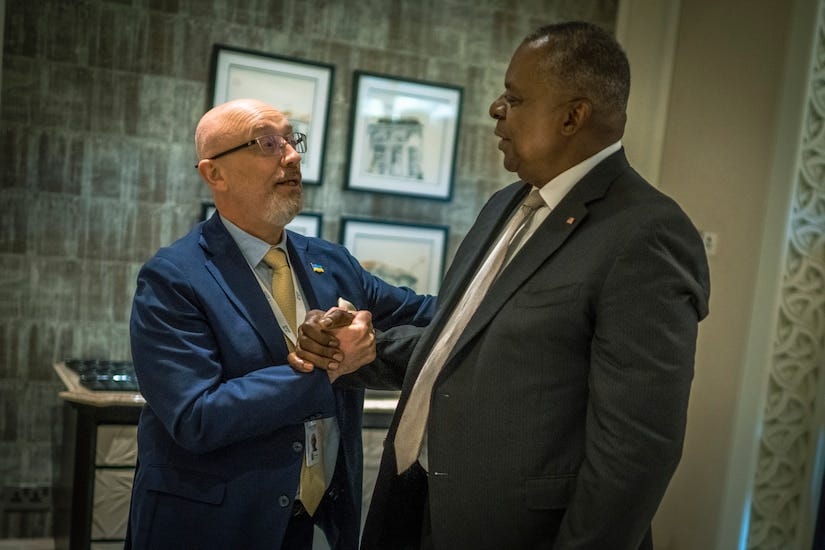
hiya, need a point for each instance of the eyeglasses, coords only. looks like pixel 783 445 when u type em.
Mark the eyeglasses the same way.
pixel 270 145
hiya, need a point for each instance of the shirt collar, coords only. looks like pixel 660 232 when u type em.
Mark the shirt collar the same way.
pixel 252 248
pixel 555 190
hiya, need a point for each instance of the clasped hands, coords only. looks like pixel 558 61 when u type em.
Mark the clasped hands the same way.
pixel 339 340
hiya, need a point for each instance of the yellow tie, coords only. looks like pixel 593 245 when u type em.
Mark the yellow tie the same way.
pixel 282 289
pixel 312 484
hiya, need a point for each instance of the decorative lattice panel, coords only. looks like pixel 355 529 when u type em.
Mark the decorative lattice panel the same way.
pixel 789 430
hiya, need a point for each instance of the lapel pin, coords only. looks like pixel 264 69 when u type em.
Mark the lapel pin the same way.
pixel 570 220
pixel 317 268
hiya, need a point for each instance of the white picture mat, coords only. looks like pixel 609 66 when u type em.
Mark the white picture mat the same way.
pixel 405 255
pixel 308 225
pixel 435 108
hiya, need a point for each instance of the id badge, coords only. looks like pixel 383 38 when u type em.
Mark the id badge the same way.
pixel 313 442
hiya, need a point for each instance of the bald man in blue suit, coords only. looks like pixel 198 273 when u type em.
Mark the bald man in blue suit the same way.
pixel 222 438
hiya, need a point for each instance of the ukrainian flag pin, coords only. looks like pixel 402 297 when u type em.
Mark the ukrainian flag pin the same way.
pixel 317 268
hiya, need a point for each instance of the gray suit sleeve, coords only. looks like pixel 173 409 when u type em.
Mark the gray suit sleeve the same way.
pixel 393 348
pixel 641 368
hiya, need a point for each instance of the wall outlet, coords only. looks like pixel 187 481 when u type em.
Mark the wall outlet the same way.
pixel 711 241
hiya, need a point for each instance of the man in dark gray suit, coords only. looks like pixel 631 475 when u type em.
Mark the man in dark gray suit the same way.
pixel 548 410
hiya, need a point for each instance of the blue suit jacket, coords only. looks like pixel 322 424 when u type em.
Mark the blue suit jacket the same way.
pixel 220 440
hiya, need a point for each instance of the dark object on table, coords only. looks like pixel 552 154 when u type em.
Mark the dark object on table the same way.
pixel 105 375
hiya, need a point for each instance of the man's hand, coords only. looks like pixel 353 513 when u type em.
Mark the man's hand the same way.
pixel 317 344
pixel 357 343
pixel 337 341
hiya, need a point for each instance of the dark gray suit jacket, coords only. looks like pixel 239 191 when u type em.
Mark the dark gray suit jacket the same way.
pixel 559 418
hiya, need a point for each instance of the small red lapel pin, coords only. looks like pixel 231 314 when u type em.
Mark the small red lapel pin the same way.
pixel 570 220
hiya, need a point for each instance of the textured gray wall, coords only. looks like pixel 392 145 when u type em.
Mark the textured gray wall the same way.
pixel 99 102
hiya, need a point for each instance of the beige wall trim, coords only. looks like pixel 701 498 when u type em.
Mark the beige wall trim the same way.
pixel 647 30
pixel 771 490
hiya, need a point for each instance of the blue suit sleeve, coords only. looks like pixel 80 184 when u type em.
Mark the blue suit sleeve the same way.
pixel 391 305
pixel 399 315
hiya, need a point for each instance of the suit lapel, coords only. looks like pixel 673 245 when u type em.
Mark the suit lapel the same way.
pixel 477 243
pixel 228 266
pixel 466 262
pixel 297 246
pixel 548 237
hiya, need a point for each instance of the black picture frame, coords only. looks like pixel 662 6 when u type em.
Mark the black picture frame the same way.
pixel 403 136
pixel 309 224
pixel 300 89
pixel 400 253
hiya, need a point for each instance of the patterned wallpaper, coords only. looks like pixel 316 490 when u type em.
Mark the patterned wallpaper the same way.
pixel 99 103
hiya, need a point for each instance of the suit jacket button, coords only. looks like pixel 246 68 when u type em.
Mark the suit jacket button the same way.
pixel 297 446
pixel 283 501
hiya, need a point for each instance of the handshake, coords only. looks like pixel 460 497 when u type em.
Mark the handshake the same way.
pixel 340 340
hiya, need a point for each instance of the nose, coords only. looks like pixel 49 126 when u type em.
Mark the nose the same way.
pixel 498 108
pixel 290 155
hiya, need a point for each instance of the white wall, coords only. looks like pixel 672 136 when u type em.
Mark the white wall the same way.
pixel 712 143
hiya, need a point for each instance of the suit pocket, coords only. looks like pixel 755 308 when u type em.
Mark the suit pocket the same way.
pixel 547 296
pixel 549 493
pixel 188 484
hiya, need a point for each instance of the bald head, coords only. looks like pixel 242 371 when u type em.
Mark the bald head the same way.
pixel 232 123
pixel 256 188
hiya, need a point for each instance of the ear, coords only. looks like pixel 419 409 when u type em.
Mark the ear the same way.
pixel 212 175
pixel 578 113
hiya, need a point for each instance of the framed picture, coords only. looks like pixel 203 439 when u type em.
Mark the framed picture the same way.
pixel 305 223
pixel 404 136
pixel 299 89
pixel 207 209
pixel 403 254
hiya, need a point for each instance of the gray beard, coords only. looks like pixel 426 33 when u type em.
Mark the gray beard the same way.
pixel 284 211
